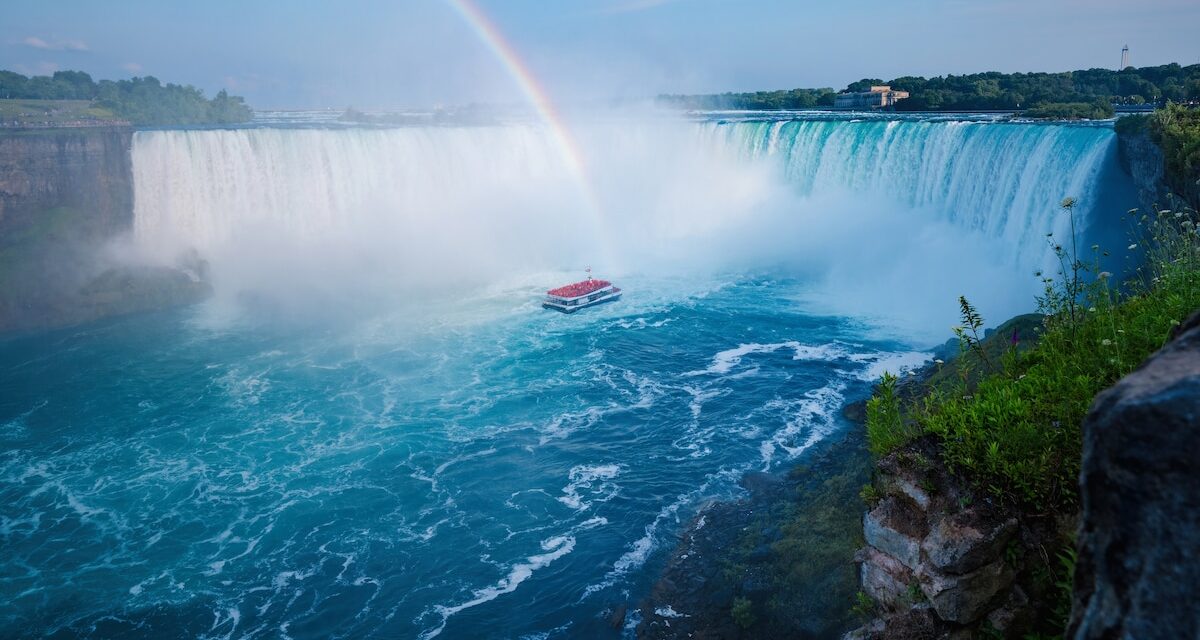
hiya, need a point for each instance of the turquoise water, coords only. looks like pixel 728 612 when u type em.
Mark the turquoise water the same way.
pixel 511 474
pixel 374 431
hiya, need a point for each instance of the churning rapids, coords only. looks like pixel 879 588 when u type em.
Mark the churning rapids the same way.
pixel 373 430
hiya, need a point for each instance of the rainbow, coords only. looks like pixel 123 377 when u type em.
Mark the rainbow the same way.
pixel 489 34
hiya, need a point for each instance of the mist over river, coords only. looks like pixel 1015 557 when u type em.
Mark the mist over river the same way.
pixel 373 430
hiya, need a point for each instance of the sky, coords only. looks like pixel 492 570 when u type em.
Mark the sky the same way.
pixel 421 53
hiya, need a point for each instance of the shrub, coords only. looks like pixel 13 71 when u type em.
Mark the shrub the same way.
pixel 1100 109
pixel 1016 432
pixel 742 612
pixel 887 428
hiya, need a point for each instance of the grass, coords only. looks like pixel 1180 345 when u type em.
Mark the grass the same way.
pixel 51 111
pixel 1012 424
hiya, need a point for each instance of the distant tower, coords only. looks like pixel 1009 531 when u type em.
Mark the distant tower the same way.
pixel 1124 57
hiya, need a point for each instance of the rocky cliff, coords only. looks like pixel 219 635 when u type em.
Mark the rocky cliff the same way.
pixel 1143 161
pixel 1138 565
pixel 942 562
pixel 65 194
pixel 85 169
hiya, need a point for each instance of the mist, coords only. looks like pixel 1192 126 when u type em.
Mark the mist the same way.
pixel 336 224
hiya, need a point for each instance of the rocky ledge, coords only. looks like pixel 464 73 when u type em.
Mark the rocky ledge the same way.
pixel 939 562
pixel 1138 569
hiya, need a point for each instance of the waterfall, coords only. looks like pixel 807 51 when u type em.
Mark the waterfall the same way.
pixel 1003 180
pixel 956 205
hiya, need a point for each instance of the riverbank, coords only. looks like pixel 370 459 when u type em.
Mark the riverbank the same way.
pixel 774 564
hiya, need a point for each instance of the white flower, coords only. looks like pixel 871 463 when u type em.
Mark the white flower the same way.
pixel 939 361
pixel 1105 274
pixel 1132 247
pixel 1106 342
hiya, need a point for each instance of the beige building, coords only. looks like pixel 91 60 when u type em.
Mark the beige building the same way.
pixel 878 97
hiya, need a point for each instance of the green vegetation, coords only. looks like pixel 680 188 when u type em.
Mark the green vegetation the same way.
pixel 73 95
pixel 1012 425
pixel 743 612
pixel 53 111
pixel 791 561
pixel 989 91
pixel 887 429
pixel 1176 130
pixel 1096 110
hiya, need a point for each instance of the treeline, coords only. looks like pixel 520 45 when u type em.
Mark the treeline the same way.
pixel 987 91
pixel 759 100
pixel 142 101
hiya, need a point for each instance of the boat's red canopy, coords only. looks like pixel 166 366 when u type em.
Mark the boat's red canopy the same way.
pixel 579 288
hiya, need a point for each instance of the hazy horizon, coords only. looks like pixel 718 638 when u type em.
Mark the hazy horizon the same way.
pixel 374 54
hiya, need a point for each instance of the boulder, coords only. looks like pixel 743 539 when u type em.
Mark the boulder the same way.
pixel 965 541
pixel 896 528
pixel 1014 616
pixel 965 598
pixel 1138 566
pixel 885 579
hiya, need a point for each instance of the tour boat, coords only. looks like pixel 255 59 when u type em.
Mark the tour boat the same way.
pixel 586 293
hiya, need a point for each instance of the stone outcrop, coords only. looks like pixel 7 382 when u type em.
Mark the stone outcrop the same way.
pixel 935 561
pixel 87 169
pixel 65 194
pixel 1138 568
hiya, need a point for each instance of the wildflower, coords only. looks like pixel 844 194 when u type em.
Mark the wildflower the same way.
pixel 1106 342
pixel 939 361
pixel 1093 309
pixel 1095 247
pixel 1105 274
pixel 1179 215
pixel 1067 203
pixel 1164 212
pixel 1015 339
pixel 1132 247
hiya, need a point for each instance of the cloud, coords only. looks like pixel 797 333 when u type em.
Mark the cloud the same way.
pixel 54 45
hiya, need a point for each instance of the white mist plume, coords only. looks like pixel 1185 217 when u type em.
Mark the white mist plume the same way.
pixel 321 219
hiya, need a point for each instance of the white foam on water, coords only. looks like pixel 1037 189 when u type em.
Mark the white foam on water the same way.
pixel 669 612
pixel 594 479
pixel 811 416
pixel 554 548
pixel 639 551
pixel 896 363
pixel 725 361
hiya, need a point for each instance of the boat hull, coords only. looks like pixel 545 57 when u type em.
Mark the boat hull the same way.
pixel 563 308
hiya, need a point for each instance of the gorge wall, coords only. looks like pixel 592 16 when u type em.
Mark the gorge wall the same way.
pixel 86 169
pixel 64 194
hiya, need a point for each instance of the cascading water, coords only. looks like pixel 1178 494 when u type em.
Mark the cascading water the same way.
pixel 458 462
pixel 1001 179
pixel 422 203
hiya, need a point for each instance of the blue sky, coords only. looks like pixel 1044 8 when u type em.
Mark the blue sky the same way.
pixel 397 53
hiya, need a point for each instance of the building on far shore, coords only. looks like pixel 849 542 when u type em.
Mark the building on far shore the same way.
pixel 879 97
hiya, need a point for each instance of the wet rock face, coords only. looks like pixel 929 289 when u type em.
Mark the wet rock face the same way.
pixel 1138 571
pixel 88 169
